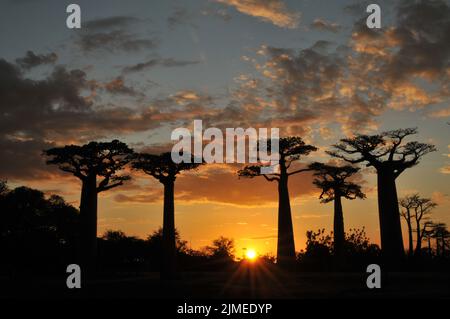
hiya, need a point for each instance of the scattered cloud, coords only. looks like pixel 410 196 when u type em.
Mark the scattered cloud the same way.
pixel 31 60
pixel 323 25
pixel 162 62
pixel 273 11
pixel 113 34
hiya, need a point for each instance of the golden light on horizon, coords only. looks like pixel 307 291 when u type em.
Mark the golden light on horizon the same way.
pixel 250 254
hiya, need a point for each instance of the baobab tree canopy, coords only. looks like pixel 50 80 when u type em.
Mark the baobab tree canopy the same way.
pixel 161 166
pixel 333 179
pixel 102 159
pixel 290 149
pixel 383 151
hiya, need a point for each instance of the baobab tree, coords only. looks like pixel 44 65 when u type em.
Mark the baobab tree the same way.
pixel 390 156
pixel 333 181
pixel 422 208
pixel 88 162
pixel 407 204
pixel 162 168
pixel 416 208
pixel 441 235
pixel 291 149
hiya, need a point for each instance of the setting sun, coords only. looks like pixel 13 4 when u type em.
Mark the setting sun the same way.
pixel 250 254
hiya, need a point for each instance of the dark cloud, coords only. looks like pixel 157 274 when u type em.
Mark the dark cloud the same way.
pixel 31 60
pixel 163 62
pixel 116 40
pixel 324 25
pixel 58 109
pixel 117 86
pixel 180 16
pixel 110 22
pixel 113 34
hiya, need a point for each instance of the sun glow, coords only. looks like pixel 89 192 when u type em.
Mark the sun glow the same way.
pixel 250 254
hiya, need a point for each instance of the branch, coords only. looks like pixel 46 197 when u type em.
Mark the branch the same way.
pixel 299 171
pixel 270 179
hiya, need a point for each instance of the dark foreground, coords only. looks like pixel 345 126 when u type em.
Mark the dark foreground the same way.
pixel 234 285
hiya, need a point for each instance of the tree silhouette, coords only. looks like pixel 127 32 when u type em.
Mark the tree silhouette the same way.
pixel 87 162
pixel 417 208
pixel 37 233
pixel 407 205
pixel 3 187
pixel 332 180
pixel 222 248
pixel 390 156
pixel 290 150
pixel 165 171
pixel 423 208
pixel 441 235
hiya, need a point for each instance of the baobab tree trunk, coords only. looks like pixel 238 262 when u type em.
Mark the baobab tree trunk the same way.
pixel 88 217
pixel 169 248
pixel 429 246
pixel 419 239
pixel 285 245
pixel 410 238
pixel 338 226
pixel 391 232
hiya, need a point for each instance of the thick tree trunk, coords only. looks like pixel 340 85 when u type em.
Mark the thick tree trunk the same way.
pixel 88 216
pixel 419 239
pixel 169 245
pixel 338 226
pixel 429 246
pixel 285 246
pixel 391 232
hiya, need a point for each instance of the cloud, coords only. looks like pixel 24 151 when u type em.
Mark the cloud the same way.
pixel 440 198
pixel 404 66
pixel 273 11
pixel 324 25
pixel 36 114
pixel 219 183
pixel 114 41
pixel 219 13
pixel 110 22
pixel 162 62
pixel 179 16
pixel 445 112
pixel 117 86
pixel 31 60
pixel 445 169
pixel 113 34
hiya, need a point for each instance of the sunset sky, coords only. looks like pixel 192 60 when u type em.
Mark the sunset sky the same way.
pixel 138 69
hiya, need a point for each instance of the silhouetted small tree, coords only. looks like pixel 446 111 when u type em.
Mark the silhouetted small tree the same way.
pixel 441 235
pixel 3 188
pixel 416 208
pixel 165 171
pixel 407 204
pixel 222 248
pixel 89 162
pixel 291 149
pixel 390 156
pixel 332 180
